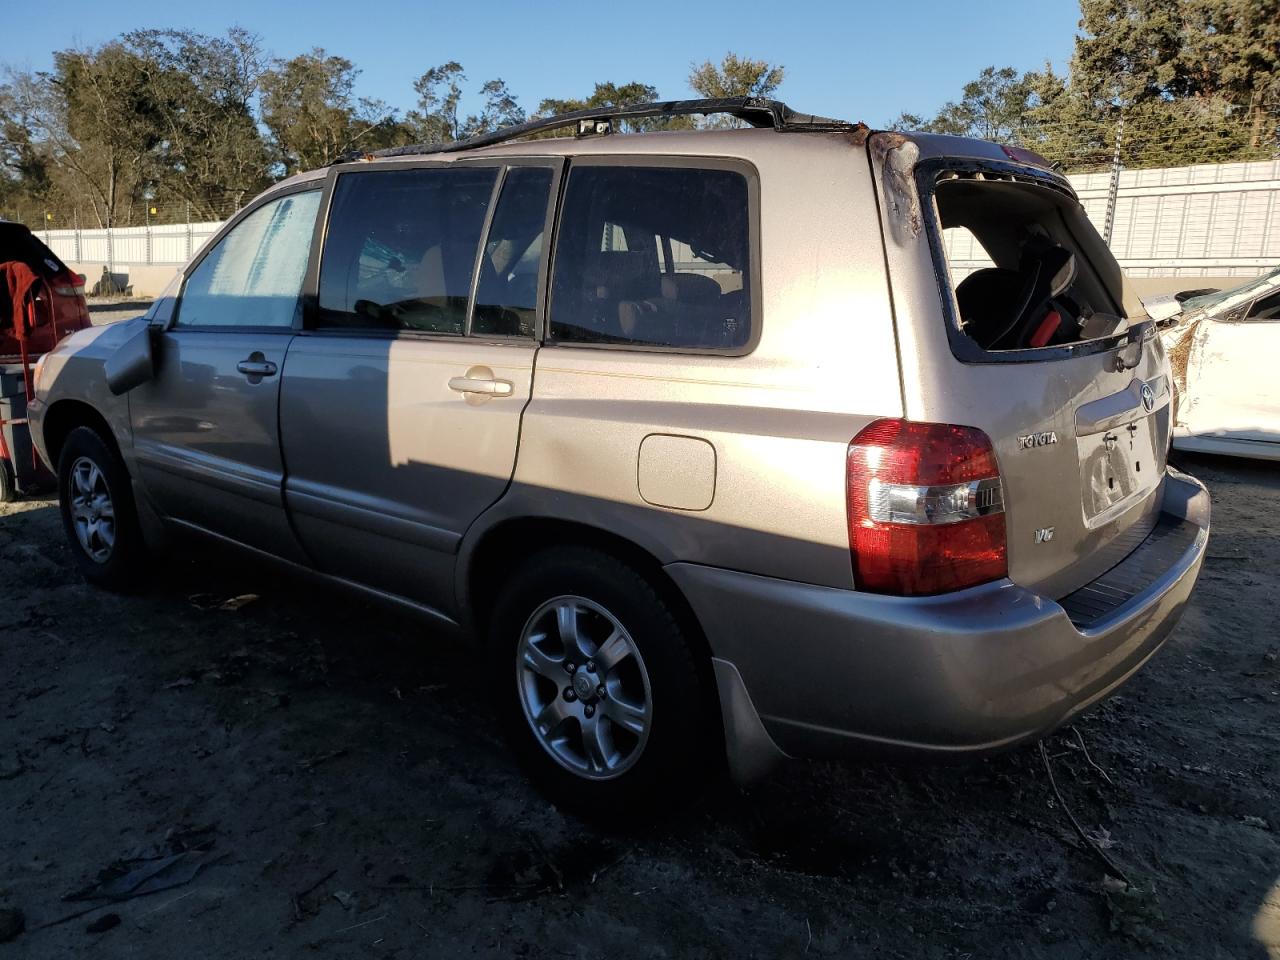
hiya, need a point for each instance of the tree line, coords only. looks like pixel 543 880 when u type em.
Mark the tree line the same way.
pixel 1172 81
pixel 190 125
pixel 165 124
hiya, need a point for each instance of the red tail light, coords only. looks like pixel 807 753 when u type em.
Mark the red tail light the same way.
pixel 926 508
pixel 69 284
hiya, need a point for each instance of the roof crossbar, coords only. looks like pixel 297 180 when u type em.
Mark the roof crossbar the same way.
pixel 757 111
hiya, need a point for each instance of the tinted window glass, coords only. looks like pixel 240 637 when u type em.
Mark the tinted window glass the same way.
pixel 507 290
pixel 653 256
pixel 401 247
pixel 253 277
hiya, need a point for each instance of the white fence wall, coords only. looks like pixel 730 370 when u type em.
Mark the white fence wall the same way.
pixel 1217 220
pixel 1209 220
pixel 123 246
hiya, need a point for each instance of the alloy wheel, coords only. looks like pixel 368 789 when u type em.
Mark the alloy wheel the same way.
pixel 584 687
pixel 92 512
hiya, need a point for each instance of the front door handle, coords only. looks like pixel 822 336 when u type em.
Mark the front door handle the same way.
pixel 481 386
pixel 256 366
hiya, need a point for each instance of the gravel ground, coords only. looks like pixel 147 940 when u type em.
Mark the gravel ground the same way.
pixel 339 781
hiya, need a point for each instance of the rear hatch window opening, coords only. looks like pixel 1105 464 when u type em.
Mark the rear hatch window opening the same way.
pixel 1024 274
pixel 17 242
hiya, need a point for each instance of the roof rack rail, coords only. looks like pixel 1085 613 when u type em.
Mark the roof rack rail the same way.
pixel 757 111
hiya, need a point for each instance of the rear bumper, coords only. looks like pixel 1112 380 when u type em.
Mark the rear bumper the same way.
pixel 815 671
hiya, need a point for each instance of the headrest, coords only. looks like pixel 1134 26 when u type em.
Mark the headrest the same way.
pixel 690 287
pixel 622 274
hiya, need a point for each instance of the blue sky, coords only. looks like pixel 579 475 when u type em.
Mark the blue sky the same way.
pixel 856 60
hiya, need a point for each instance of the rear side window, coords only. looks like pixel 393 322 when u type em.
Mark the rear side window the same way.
pixel 401 248
pixel 507 286
pixel 253 277
pixel 651 256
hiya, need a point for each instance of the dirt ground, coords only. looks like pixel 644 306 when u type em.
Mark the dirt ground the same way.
pixel 339 781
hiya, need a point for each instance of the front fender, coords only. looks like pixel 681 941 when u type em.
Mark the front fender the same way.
pixel 74 372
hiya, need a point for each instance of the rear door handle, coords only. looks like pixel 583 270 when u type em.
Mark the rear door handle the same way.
pixel 256 366
pixel 482 386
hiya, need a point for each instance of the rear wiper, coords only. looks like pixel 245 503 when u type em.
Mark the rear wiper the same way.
pixel 1128 356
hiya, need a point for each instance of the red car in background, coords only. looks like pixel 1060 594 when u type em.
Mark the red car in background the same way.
pixel 49 305
pixel 60 305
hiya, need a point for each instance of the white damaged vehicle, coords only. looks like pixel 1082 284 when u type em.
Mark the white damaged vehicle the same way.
pixel 1222 350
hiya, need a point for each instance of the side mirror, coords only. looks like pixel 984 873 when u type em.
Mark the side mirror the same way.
pixel 133 362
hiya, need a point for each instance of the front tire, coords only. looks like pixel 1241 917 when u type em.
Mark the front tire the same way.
pixel 603 704
pixel 98 512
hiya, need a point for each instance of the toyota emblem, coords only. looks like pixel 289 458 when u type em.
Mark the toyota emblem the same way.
pixel 1148 397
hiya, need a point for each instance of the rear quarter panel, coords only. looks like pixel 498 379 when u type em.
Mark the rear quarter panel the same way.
pixel 779 418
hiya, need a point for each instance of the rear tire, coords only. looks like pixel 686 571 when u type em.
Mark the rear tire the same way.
pixel 98 512
pixel 601 697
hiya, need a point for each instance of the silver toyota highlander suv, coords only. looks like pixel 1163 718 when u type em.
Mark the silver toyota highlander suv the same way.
pixel 696 432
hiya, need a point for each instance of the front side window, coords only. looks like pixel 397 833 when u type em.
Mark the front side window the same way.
pixel 653 256
pixel 253 277
pixel 401 248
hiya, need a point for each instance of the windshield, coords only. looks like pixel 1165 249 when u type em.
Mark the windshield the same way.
pixel 1210 300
